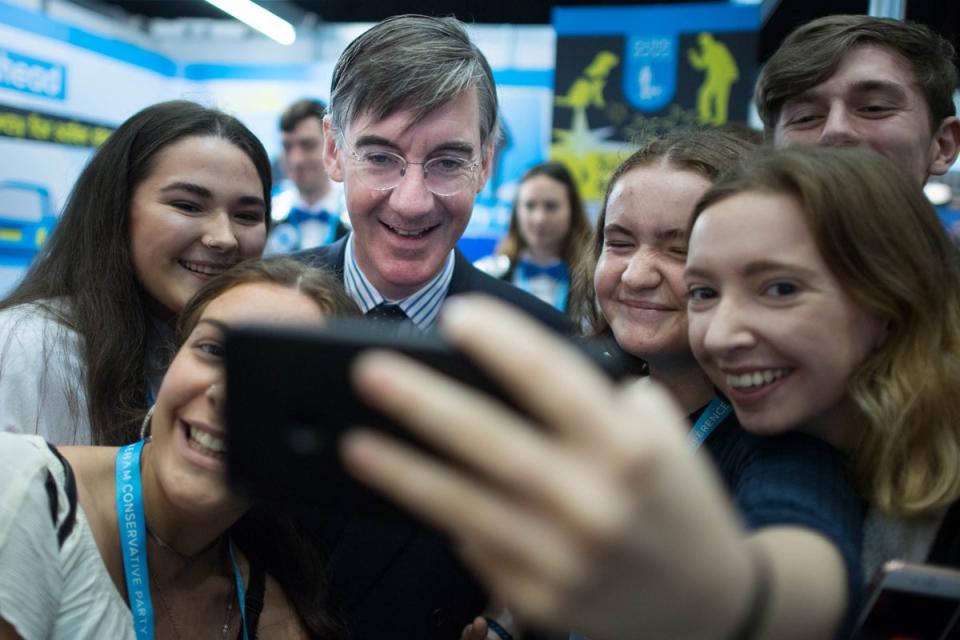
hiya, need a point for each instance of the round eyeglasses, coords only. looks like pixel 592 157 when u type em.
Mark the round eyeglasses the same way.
pixel 443 175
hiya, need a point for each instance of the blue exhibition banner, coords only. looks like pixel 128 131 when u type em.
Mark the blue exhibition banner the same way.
pixel 31 75
pixel 626 73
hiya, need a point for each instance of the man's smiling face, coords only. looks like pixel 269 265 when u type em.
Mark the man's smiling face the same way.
pixel 402 236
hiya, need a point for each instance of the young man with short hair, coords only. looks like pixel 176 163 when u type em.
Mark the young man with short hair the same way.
pixel 307 215
pixel 859 80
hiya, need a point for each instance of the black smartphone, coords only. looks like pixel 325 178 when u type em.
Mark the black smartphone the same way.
pixel 289 399
pixel 911 602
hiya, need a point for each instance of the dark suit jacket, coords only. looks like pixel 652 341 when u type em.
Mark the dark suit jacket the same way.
pixel 391 578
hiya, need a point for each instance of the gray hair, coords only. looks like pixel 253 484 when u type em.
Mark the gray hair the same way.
pixel 411 62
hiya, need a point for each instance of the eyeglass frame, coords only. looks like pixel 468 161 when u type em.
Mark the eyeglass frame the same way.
pixel 470 167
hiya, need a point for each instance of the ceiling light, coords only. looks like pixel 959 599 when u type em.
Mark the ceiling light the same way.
pixel 256 17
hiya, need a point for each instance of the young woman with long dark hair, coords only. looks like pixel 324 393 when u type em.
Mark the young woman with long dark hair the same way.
pixel 177 194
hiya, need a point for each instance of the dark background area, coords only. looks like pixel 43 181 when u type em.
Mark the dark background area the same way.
pixel 483 11
pixel 779 16
pixel 783 16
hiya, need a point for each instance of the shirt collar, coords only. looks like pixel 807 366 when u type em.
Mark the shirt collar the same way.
pixel 422 307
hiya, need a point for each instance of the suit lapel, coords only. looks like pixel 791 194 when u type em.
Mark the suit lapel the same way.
pixel 464 278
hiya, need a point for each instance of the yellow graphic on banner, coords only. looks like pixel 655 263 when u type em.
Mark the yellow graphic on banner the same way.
pixel 32 125
pixel 11 235
pixel 720 72
pixel 586 152
pixel 587 90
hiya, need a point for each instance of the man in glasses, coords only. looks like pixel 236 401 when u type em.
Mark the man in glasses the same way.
pixel 410 132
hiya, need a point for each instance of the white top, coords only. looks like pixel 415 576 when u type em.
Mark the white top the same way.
pixel 49 591
pixel 42 376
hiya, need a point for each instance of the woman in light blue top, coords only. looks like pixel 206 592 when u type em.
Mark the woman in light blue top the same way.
pixel 548 231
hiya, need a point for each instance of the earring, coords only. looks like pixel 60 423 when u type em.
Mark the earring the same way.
pixel 145 425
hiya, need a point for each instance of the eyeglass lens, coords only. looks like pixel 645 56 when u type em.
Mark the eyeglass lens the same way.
pixel 443 176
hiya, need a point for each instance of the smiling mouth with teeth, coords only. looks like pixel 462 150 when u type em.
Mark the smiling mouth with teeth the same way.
pixel 754 379
pixel 410 234
pixel 206 443
pixel 202 269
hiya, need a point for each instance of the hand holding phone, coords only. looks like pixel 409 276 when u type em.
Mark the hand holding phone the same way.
pixel 290 399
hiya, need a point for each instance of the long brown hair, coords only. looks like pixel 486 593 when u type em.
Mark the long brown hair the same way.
pixel 84 275
pixel 886 245
pixel 707 152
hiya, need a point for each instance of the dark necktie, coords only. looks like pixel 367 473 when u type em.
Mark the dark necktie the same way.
pixel 389 316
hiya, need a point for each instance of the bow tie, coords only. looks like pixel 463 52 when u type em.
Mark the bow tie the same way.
pixel 557 271
pixel 298 215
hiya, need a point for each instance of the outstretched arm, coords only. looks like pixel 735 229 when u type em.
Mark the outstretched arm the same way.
pixel 604 521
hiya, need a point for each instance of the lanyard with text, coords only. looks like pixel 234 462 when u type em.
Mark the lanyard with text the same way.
pixel 715 413
pixel 133 539
pixel 133 544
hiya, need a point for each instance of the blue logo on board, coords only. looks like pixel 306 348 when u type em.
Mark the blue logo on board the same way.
pixel 30 75
pixel 651 71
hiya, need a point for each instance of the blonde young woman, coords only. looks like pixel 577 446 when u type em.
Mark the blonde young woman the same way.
pixel 856 320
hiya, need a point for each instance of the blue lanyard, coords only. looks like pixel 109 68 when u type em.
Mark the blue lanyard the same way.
pixel 133 539
pixel 715 413
pixel 133 544
pixel 241 593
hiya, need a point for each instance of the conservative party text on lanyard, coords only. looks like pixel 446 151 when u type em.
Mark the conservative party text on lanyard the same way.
pixel 133 544
pixel 715 413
